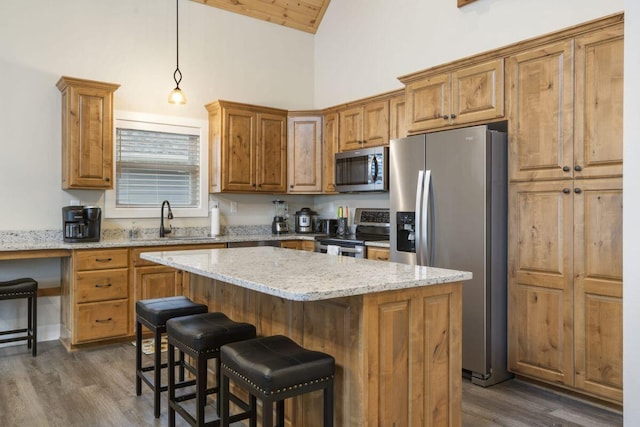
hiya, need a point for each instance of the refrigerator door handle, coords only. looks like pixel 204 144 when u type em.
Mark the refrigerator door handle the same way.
pixel 418 218
pixel 430 224
pixel 426 236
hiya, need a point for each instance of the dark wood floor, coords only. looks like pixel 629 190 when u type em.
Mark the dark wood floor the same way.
pixel 97 388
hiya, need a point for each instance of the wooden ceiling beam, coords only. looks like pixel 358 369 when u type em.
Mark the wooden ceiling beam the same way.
pixel 303 15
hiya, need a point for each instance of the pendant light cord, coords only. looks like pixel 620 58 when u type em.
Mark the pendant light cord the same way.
pixel 177 75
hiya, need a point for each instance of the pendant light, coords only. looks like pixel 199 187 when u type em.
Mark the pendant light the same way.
pixel 177 96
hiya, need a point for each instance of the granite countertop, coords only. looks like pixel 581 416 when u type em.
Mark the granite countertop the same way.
pixel 52 240
pixel 42 241
pixel 303 276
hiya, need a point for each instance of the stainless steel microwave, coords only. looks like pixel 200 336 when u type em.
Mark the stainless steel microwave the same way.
pixel 362 170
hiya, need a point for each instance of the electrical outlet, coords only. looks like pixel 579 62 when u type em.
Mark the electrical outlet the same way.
pixel 234 207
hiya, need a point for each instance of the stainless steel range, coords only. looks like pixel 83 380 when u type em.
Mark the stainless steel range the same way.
pixel 372 224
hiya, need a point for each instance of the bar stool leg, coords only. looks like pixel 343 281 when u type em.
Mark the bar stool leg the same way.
pixel 138 358
pixel 35 325
pixel 157 355
pixel 201 389
pixel 29 321
pixel 267 413
pixel 280 413
pixel 328 404
pixel 171 390
pixel 224 404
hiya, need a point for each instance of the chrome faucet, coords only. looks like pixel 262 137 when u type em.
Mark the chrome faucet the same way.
pixel 163 230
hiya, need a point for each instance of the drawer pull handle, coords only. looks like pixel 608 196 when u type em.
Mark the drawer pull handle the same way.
pixel 104 259
pixel 103 320
pixel 105 285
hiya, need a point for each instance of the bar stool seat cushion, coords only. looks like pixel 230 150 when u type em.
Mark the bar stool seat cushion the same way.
pixel 157 311
pixel 18 288
pixel 208 332
pixel 275 363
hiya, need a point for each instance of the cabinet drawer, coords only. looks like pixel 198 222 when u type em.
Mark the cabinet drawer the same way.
pixel 100 320
pixel 102 285
pixel 102 259
pixel 379 254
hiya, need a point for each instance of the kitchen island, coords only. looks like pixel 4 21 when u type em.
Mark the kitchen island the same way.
pixel 394 329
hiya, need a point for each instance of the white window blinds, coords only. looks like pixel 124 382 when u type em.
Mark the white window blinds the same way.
pixel 153 166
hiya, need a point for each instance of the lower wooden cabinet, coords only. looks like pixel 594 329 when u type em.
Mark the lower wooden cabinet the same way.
pixel 301 245
pixel 380 254
pixel 150 280
pixel 94 296
pixel 565 284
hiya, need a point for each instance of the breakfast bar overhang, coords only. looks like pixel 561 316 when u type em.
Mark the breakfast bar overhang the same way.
pixel 394 329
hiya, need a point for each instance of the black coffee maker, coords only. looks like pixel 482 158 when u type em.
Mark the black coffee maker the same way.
pixel 81 223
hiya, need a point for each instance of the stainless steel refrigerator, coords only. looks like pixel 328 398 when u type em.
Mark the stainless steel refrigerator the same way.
pixel 448 203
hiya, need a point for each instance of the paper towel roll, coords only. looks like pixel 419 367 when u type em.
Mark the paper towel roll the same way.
pixel 215 220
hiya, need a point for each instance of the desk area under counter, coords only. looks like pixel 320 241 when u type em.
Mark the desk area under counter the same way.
pixel 394 329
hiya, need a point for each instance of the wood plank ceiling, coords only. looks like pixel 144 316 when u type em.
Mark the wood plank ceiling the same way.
pixel 303 15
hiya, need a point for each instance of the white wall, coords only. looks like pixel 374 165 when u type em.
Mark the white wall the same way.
pixel 362 46
pixel 132 42
pixel 631 211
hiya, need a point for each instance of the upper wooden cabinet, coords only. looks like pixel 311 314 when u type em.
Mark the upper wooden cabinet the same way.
pixel 365 125
pixel 397 117
pixel 557 132
pixel 451 97
pixel 247 148
pixel 304 152
pixel 87 133
pixel 599 88
pixel 330 146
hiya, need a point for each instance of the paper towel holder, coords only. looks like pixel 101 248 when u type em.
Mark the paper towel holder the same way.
pixel 215 220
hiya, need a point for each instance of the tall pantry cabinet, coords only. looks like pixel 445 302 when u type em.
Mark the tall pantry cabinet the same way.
pixel 565 212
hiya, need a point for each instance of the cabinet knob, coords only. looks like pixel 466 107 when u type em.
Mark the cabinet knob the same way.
pixel 291 186
pixel 566 168
pixel 453 116
pixel 578 168
pixel 577 191
pixel 107 179
pixel 446 117
pixel 566 191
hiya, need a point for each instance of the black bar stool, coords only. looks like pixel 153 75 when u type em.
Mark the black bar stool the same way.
pixel 273 369
pixel 154 313
pixel 23 288
pixel 201 336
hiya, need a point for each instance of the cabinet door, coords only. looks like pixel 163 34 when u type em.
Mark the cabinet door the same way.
pixel 477 92
pixel 379 254
pixel 598 103
pixel 87 133
pixel 375 126
pixel 540 280
pixel 157 282
pixel 428 102
pixel 304 153
pixel 351 122
pixel 271 170
pixel 329 149
pixel 598 286
pixel 397 117
pixel 541 113
pixel 238 150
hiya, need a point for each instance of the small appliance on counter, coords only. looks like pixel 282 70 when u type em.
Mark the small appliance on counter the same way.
pixel 279 224
pixel 305 219
pixel 81 224
pixel 325 226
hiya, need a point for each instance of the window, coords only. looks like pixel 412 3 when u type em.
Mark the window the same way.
pixel 158 158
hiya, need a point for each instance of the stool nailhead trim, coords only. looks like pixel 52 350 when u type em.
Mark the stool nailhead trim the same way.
pixel 275 392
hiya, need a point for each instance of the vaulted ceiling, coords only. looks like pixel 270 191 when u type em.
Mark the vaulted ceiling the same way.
pixel 303 15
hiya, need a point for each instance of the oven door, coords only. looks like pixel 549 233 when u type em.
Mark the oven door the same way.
pixel 352 250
